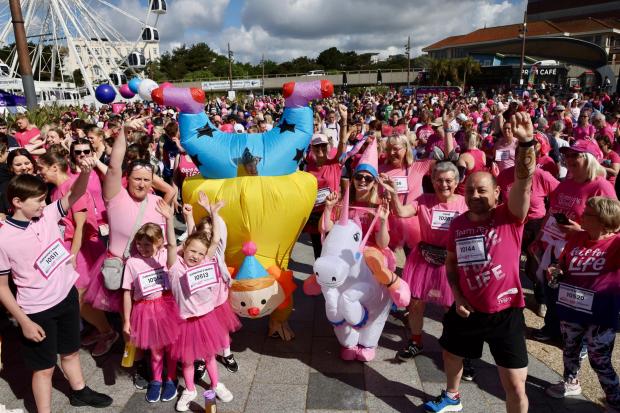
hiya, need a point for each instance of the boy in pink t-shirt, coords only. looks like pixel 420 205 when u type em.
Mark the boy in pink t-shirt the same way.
pixel 47 308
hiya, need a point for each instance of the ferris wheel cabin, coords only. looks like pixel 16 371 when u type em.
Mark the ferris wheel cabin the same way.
pixel 158 6
pixel 118 78
pixel 136 59
pixel 150 34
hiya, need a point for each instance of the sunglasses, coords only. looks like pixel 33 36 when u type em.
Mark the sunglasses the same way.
pixel 366 178
pixel 78 152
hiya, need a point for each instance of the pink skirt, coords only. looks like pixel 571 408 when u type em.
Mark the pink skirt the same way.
pixel 100 297
pixel 87 257
pixel 404 231
pixel 155 323
pixel 203 337
pixel 427 282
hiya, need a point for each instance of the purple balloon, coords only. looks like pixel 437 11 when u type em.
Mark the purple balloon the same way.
pixel 126 92
pixel 105 93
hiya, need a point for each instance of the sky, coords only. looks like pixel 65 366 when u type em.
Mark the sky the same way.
pixel 284 29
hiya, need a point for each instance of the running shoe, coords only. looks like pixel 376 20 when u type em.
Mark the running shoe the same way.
pixel 185 400
pixel 153 392
pixel 139 376
pixel 563 389
pixel 105 343
pixel 223 393
pixel 409 352
pixel 229 362
pixel 468 370
pixel 200 370
pixel 169 391
pixel 89 397
pixel 443 403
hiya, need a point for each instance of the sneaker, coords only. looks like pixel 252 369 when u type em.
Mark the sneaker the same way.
pixel 443 404
pixel 89 397
pixel 409 352
pixel 139 376
pixel 468 371
pixel 185 399
pixel 229 362
pixel 563 389
pixel 541 335
pixel 223 393
pixel 153 392
pixel 169 391
pixel 105 343
pixel 200 370
pixel 583 353
pixel 91 338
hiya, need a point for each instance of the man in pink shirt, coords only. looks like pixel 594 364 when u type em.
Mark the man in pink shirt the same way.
pixel 25 131
pixel 484 246
pixel 603 128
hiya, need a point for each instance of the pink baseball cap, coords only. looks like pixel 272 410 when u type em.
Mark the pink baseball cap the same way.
pixel 584 146
pixel 319 139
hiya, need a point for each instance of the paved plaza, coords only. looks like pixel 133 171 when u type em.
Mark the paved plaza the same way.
pixel 304 375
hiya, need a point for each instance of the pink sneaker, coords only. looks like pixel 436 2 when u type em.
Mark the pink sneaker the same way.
pixel 348 353
pixel 365 353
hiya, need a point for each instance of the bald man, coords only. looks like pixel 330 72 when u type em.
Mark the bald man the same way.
pixel 484 247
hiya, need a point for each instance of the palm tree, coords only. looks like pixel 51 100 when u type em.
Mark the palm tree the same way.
pixel 439 70
pixel 469 66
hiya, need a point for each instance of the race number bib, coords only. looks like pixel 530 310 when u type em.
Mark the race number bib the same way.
pixel 441 219
pixel 53 257
pixel 471 250
pixel 321 195
pixel 502 154
pixel 578 299
pixel 402 185
pixel 152 281
pixel 201 277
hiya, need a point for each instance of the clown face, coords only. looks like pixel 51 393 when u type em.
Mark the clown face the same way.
pixel 258 302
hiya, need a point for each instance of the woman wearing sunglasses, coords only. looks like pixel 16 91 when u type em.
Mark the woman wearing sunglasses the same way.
pixel 81 238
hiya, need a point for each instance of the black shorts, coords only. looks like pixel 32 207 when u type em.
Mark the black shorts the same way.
pixel 503 331
pixel 61 324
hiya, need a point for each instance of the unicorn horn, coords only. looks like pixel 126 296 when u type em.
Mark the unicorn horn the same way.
pixel 344 212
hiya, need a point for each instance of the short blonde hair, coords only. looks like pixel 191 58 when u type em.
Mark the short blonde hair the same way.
pixel 607 210
pixel 593 168
pixel 404 141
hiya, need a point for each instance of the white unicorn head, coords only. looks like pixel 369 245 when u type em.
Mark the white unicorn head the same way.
pixel 340 257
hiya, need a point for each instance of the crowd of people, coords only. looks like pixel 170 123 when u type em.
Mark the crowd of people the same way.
pixel 475 189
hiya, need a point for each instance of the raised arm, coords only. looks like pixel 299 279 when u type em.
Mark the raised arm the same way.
pixel 326 223
pixel 114 173
pixel 167 212
pixel 79 186
pixel 525 163
pixel 342 142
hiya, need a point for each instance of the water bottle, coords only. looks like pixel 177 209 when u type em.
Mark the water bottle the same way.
pixel 210 406
pixel 128 355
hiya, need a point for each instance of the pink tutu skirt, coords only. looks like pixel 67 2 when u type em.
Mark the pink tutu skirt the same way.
pixel 155 323
pixel 427 282
pixel 404 231
pixel 203 337
pixel 97 295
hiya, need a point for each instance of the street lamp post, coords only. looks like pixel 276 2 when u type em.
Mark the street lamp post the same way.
pixel 262 61
pixel 25 67
pixel 523 32
pixel 230 55
pixel 408 50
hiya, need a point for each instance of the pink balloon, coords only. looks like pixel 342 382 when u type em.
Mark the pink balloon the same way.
pixel 165 85
pixel 126 92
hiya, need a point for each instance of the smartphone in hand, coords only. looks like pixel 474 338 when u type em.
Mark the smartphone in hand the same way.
pixel 560 218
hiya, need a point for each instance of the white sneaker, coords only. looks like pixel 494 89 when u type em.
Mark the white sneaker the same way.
pixel 223 393
pixel 185 399
pixel 563 389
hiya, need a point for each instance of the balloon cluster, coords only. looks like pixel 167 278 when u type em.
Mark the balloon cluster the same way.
pixel 143 87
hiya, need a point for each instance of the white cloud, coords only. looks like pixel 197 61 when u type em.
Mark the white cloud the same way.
pixel 285 29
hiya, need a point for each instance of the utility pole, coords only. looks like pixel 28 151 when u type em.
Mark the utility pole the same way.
pixel 230 55
pixel 523 31
pixel 25 67
pixel 408 50
pixel 262 61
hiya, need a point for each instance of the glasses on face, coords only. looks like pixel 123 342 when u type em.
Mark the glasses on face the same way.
pixel 366 178
pixel 79 152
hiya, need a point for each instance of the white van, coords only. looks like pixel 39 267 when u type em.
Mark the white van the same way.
pixel 316 73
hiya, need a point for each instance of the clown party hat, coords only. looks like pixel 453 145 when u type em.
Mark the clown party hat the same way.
pixel 369 160
pixel 250 268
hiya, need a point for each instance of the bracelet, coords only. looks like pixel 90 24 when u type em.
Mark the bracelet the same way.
pixel 528 143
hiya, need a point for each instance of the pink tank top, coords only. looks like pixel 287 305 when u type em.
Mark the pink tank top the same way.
pixel 187 167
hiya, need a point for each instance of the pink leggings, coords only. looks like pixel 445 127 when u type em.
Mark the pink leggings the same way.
pixel 188 373
pixel 157 364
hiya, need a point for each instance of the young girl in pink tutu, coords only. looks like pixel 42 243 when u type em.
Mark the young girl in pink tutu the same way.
pixel 199 282
pixel 150 312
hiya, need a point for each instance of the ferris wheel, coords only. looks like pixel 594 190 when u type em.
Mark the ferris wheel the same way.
pixel 92 38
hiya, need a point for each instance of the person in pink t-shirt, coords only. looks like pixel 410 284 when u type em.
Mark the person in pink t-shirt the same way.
pixel 150 314
pixel 611 160
pixel 46 307
pixel 424 269
pixel 26 133
pixel 482 265
pixel 505 148
pixel 584 130
pixel 199 283
pixel 82 239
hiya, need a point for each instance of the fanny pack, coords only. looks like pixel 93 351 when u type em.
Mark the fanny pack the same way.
pixel 113 267
pixel 432 254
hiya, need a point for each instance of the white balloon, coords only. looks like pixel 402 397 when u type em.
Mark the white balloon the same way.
pixel 146 87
